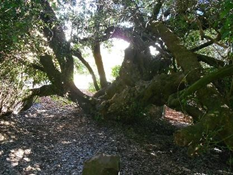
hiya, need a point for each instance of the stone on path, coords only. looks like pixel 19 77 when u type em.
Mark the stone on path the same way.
pixel 102 164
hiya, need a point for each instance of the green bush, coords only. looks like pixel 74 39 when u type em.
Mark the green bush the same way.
pixel 91 87
pixel 115 71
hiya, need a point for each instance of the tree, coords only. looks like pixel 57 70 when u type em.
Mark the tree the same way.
pixel 96 45
pixel 188 74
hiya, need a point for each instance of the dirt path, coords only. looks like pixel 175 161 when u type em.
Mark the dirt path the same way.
pixel 50 139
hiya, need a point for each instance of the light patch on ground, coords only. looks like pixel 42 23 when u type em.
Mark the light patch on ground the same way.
pixel 17 155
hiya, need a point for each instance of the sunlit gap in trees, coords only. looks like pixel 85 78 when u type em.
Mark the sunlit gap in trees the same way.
pixel 112 56
pixel 153 50
pixel 73 11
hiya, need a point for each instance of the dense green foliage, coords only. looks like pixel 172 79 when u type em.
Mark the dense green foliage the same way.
pixel 17 19
pixel 115 71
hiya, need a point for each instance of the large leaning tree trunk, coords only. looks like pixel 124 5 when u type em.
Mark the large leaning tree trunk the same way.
pixel 143 81
pixel 217 121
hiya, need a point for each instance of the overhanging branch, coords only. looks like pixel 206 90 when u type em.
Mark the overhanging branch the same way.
pixel 37 67
pixel 221 73
pixel 208 43
pixel 210 60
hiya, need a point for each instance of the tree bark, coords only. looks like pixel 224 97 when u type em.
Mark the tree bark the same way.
pixel 99 63
pixel 45 90
pixel 217 110
pixel 63 80
pixel 210 61
pixel 136 87
pixel 220 73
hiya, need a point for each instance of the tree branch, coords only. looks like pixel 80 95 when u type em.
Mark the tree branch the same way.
pixel 37 67
pixel 99 63
pixel 54 34
pixel 208 43
pixel 78 54
pixel 221 73
pixel 210 60
pixel 45 90
pixel 156 10
pixel 202 46
pixel 53 74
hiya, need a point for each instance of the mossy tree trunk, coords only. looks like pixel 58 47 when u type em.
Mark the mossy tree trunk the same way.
pixel 217 123
pixel 138 86
pixel 189 89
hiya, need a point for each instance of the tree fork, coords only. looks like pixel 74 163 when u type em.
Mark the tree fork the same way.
pixel 78 54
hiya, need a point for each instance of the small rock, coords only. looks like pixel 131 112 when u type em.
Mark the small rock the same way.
pixel 102 164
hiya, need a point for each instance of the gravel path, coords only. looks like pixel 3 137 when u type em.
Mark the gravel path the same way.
pixel 51 139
